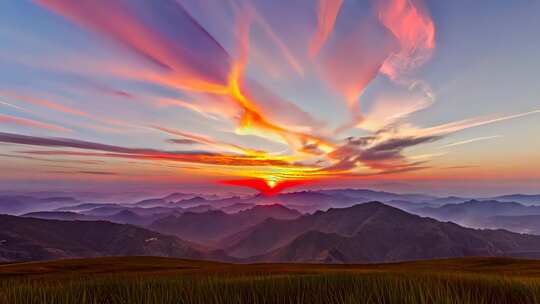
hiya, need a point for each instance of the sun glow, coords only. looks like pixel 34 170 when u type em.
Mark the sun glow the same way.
pixel 271 183
pixel 264 186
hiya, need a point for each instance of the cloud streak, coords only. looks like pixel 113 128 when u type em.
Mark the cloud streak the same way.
pixel 468 141
pixel 24 122
pixel 113 151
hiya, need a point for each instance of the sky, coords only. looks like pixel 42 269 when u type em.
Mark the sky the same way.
pixel 211 95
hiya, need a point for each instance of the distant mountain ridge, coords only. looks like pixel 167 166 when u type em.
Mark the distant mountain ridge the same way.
pixel 529 224
pixel 18 204
pixel 472 213
pixel 527 199
pixel 213 225
pixel 304 201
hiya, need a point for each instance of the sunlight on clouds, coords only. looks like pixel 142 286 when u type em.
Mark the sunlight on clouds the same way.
pixel 175 58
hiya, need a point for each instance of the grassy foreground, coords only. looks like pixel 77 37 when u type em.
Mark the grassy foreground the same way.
pixel 154 280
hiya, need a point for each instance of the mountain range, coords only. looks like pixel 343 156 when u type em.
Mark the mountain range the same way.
pixel 330 226
pixel 363 233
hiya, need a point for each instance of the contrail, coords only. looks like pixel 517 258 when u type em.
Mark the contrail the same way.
pixel 463 142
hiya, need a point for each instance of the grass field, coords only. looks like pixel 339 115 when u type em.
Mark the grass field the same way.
pixel 162 280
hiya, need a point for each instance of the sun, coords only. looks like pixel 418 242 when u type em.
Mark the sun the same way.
pixel 271 183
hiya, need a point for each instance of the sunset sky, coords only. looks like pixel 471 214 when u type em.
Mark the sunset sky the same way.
pixel 212 95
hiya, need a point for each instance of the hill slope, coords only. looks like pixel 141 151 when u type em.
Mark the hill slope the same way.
pixel 372 232
pixel 24 239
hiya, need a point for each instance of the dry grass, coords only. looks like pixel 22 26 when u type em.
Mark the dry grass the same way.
pixel 162 280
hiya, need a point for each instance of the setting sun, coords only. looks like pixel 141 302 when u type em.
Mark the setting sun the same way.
pixel 271 183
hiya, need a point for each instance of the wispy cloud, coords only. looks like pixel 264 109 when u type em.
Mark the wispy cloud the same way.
pixel 468 141
pixel 414 30
pixel 24 122
pixel 83 172
pixel 201 157
pixel 45 103
pixel 327 13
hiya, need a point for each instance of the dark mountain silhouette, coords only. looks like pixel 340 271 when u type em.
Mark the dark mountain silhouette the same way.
pixel 315 246
pixel 25 239
pixel 372 232
pixel 213 225
pixel 272 233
